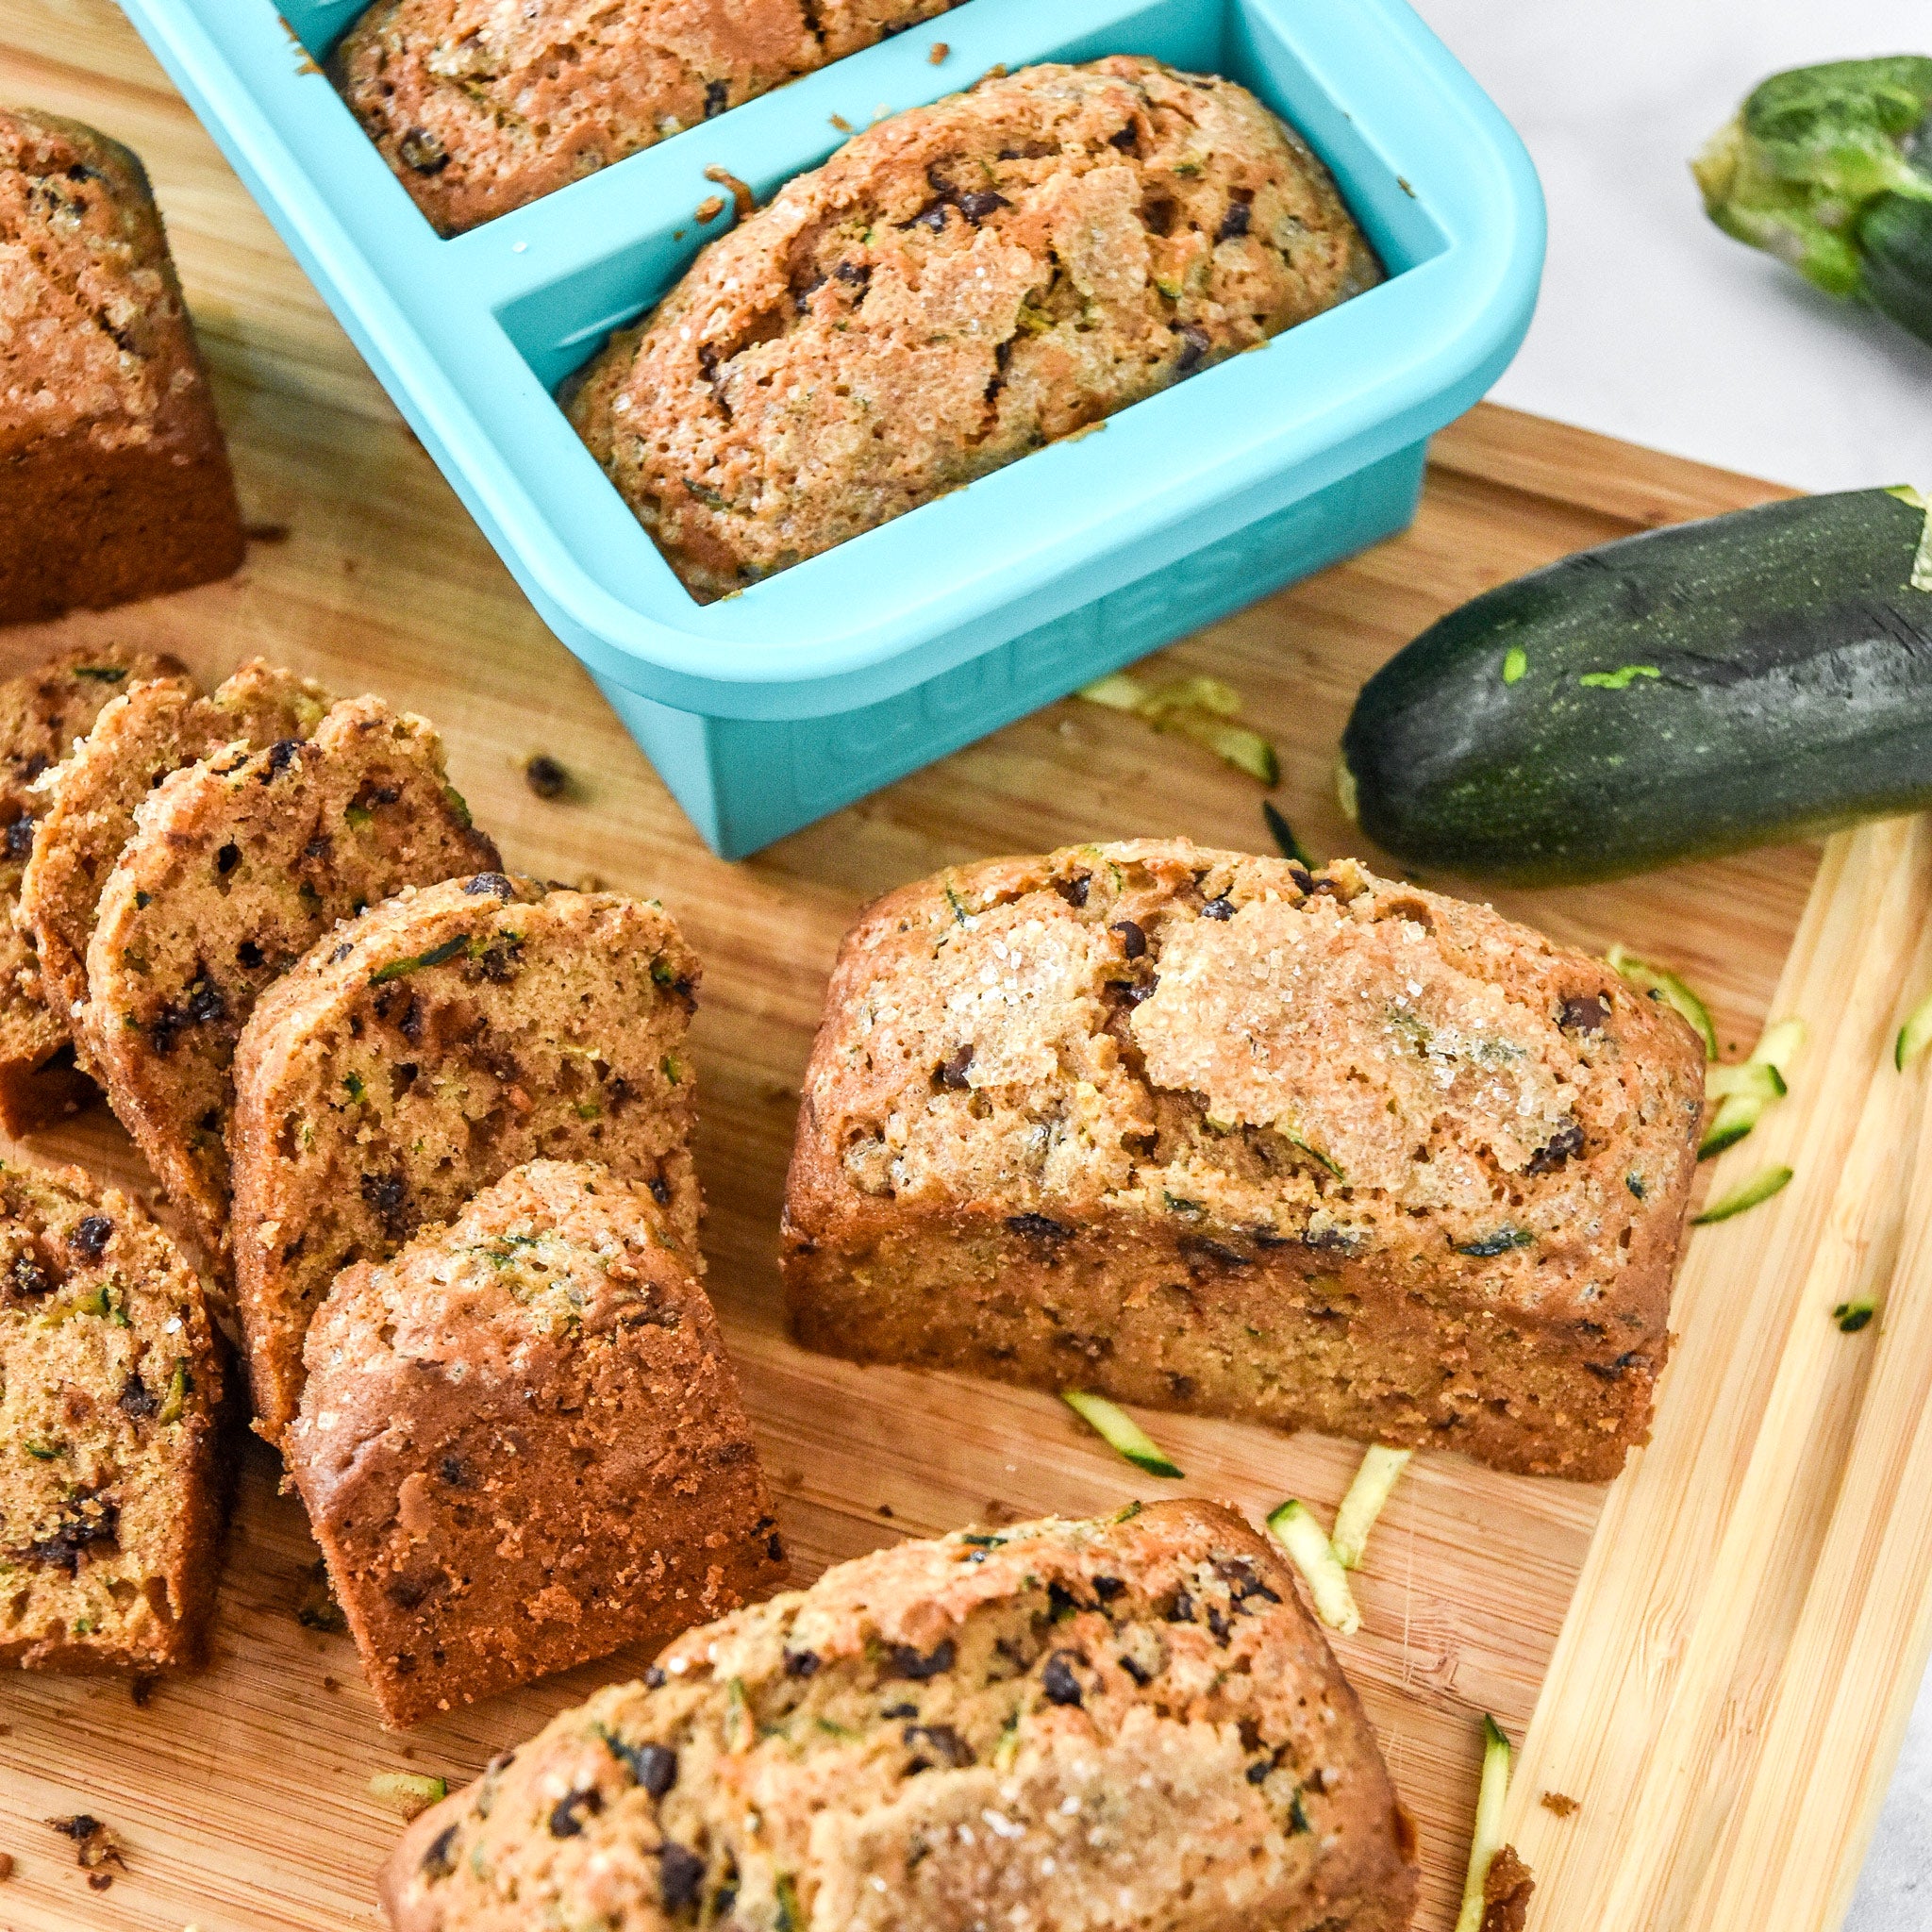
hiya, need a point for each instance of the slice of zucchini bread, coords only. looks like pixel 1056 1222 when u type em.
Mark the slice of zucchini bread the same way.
pixel 522 1446
pixel 86 804
pixel 479 109
pixel 1053 1727
pixel 1210 1132
pixel 237 866
pixel 421 1053
pixel 110 1505
pixel 41 713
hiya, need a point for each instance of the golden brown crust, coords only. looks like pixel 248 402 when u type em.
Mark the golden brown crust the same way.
pixel 480 110
pixel 993 1728
pixel 422 1051
pixel 955 286
pixel 237 866
pixel 87 803
pixel 111 1505
pixel 41 713
pixel 521 1447
pixel 112 466
pixel 1199 1130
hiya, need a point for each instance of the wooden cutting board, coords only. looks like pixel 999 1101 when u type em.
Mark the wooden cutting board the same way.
pixel 1714 1657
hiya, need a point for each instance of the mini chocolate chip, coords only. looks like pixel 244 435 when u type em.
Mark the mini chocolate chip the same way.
pixel 1075 891
pixel 1133 940
pixel 437 1861
pixel 802 1663
pixel 91 1236
pixel 1058 1681
pixel 20 838
pixel 207 1006
pixel 900 1710
pixel 655 1678
pixel 980 203
pixel 1041 1227
pixel 932 216
pixel 1562 1145
pixel 1233 223
pixel 422 151
pixel 943 1742
pixel 681 1873
pixel 1584 1015
pixel 545 776
pixel 1139 1672
pixel 950 1071
pixel 1183 1608
pixel 567 1818
pixel 654 1766
pixel 136 1400
pixel 493 882
pixel 1257 1773
pixel 1218 908
pixel 1195 343
pixel 283 752
pixel 27 1279
pixel 1218 1623
pixel 659 1187
pixel 452 1472
pixel 249 955
pixel 717 98
pixel 1127 140
pixel 904 1662
pixel 227 858
pixel 1108 1587
pixel 774 1547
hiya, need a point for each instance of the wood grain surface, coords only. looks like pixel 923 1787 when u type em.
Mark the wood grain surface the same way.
pixel 241 1794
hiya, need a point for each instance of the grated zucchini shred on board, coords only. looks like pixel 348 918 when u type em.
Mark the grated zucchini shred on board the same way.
pixel 1201 709
pixel 1120 1432
pixel 1294 1529
pixel 1486 1840
pixel 409 1793
pixel 1762 1185
pixel 1660 983
pixel 1374 1482
pixel 1914 1036
pixel 1744 1091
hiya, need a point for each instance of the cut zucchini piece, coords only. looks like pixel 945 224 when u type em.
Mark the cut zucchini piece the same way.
pixel 1201 709
pixel 1374 1482
pixel 1284 836
pixel 1486 1840
pixel 1659 982
pixel 1291 1525
pixel 1747 1090
pixel 1914 1036
pixel 1853 1315
pixel 1762 1185
pixel 407 1792
pixel 1119 1431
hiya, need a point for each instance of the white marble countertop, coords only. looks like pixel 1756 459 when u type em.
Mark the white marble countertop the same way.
pixel 1654 328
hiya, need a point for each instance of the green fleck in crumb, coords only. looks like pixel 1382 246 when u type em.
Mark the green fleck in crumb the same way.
pixel 352 1084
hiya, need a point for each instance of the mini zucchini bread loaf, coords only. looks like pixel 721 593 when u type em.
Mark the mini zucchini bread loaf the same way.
pixel 113 475
pixel 110 1505
pixel 1129 1724
pixel 88 803
pixel 480 108
pixel 237 866
pixel 955 286
pixel 41 713
pixel 521 1443
pixel 421 1053
pixel 1208 1132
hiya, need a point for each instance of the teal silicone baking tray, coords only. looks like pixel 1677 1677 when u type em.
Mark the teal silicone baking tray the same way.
pixel 772 707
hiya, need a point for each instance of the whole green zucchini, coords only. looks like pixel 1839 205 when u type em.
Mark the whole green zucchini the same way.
pixel 1691 691
pixel 1829 168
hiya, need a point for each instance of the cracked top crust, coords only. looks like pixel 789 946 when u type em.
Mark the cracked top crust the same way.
pixel 1246 1053
pixel 957 286
pixel 986 1729
pixel 94 336
pixel 480 108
